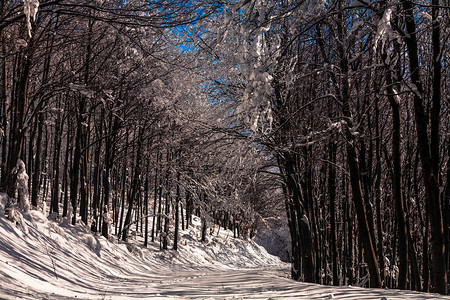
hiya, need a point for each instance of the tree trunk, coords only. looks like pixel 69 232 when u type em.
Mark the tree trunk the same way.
pixel 304 227
pixel 293 230
pixel 75 171
pixel 332 196
pixel 146 187
pixel 159 219
pixel 189 208
pixel 54 204
pixel 67 168
pixel 378 192
pixel 447 214
pixel 135 186
pixel 166 218
pixel 203 239
pixel 355 176
pixel 3 103
pixel 397 189
pixel 31 152
pixel 96 183
pixel 177 215
pixel 358 200
pixel 428 152
pixel 37 163
pixel 397 194
pixel 18 112
pixel 122 207
pixel 155 199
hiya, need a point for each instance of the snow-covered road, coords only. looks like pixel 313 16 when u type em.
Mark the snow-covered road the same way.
pixel 268 284
pixel 208 284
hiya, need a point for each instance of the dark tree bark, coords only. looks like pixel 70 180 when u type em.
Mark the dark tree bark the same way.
pixel 189 208
pixel 353 165
pixel 54 204
pixel 397 189
pixel 168 196
pixel 123 195
pixel 155 199
pixel 124 187
pixel 84 124
pixel 332 196
pixel 428 152
pixel 96 180
pixel 159 219
pixel 294 234
pixel 378 192
pixel 67 165
pixel 33 131
pixel 302 221
pixel 37 162
pixel 77 156
pixel 146 191
pixel 135 186
pixel 3 100
pixel 20 101
pixel 110 147
pixel 343 92
pixel 447 214
pixel 203 239
pixel 177 214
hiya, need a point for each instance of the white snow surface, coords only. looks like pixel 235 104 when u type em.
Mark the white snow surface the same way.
pixel 55 261
pixel 30 9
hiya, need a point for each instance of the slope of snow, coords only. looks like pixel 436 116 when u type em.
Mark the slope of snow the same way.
pixel 53 261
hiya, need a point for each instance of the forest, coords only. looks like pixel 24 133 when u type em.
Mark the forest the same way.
pixel 333 116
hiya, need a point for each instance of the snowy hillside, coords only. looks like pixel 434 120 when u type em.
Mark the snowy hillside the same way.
pixel 48 260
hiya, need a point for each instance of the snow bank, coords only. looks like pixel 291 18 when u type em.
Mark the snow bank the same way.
pixel 68 261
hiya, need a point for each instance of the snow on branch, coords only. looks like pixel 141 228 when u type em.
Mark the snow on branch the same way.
pixel 385 33
pixel 314 136
pixel 30 9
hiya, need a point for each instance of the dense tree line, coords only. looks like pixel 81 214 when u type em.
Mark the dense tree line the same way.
pixel 350 99
pixel 127 113
pixel 114 132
